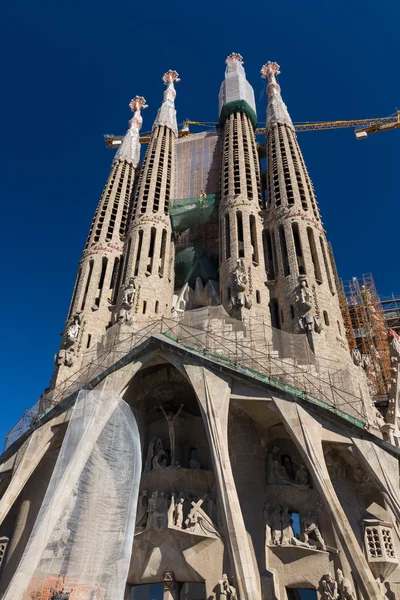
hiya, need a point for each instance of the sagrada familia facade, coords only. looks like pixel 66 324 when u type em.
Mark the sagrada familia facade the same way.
pixel 207 433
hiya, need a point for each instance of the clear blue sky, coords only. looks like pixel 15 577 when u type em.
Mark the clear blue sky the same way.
pixel 69 70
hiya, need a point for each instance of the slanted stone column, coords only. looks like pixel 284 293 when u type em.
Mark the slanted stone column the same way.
pixel 306 433
pixel 213 393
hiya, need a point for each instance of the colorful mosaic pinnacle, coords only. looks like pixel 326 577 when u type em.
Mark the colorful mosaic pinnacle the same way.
pixel 270 69
pixel 170 77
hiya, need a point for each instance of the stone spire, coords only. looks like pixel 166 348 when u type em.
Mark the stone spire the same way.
pixel 242 269
pixel 166 114
pixel 277 111
pixel 129 149
pixel 147 276
pixel 235 86
pixel 100 266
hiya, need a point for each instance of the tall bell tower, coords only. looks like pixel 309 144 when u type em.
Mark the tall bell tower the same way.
pixel 242 270
pixel 147 283
pixel 96 284
pixel 300 275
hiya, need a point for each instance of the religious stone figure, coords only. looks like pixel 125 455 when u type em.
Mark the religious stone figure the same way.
pixel 171 511
pixel 178 517
pixel 240 281
pixel 276 526
pixel 158 512
pixel 60 594
pixel 171 418
pixel 73 330
pixel 311 529
pixel 128 298
pixel 141 515
pixel 301 475
pixel 329 588
pixel 287 531
pixel 286 462
pixel 153 449
pixel 226 591
pixel 344 586
pixel 267 523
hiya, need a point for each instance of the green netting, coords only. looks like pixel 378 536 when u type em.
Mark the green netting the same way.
pixel 189 212
pixel 235 107
pixel 194 262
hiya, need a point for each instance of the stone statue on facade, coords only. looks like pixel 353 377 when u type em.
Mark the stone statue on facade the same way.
pixel 171 418
pixel 60 594
pixel 302 476
pixel 278 473
pixel 311 530
pixel 178 514
pixel 73 330
pixel 225 590
pixel 141 514
pixel 171 511
pixel 344 586
pixel 276 526
pixel 329 588
pixel 158 512
pixel 266 513
pixel 128 297
pixel 287 530
pixel 240 281
pixel 304 301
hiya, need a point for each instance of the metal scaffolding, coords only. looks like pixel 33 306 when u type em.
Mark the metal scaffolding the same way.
pixel 368 329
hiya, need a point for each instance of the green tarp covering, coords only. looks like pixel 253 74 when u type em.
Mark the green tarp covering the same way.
pixel 188 212
pixel 194 262
pixel 235 107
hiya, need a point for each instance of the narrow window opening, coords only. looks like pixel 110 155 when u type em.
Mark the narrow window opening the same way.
pixel 127 259
pixel 258 297
pixel 149 268
pixel 162 253
pixel 285 257
pixel 227 237
pixel 139 251
pixel 144 306
pixel 327 270
pixel 314 255
pixel 339 328
pixel 89 339
pixel 282 317
pixel 157 307
pixel 104 262
pixel 114 273
pixel 239 222
pixel 274 310
pixel 118 282
pixel 87 284
pixel 296 526
pixel 301 594
pixel 78 280
pixel 326 318
pixel 269 263
pixel 291 308
pixel 253 237
pixel 229 294
pixel 299 249
pixel 274 256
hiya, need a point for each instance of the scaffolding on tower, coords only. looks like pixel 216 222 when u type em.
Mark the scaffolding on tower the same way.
pixel 368 329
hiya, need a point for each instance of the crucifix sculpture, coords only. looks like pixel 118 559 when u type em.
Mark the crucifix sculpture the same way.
pixel 171 417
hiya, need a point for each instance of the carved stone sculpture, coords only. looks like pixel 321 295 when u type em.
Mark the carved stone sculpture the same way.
pixel 344 586
pixel 171 511
pixel 158 512
pixel 305 309
pixel 178 515
pixel 301 475
pixel 199 522
pixel 329 588
pixel 287 531
pixel 225 590
pixel 141 515
pixel 128 298
pixel 277 473
pixel 171 418
pixel 267 523
pixel 276 526
pixel 240 281
pixel 73 330
pixel 311 530
pixel 60 594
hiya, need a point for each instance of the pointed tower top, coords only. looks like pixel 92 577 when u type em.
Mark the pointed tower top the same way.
pixel 236 93
pixel 277 111
pixel 166 113
pixel 129 149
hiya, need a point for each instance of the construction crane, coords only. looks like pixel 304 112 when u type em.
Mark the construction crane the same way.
pixel 362 128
